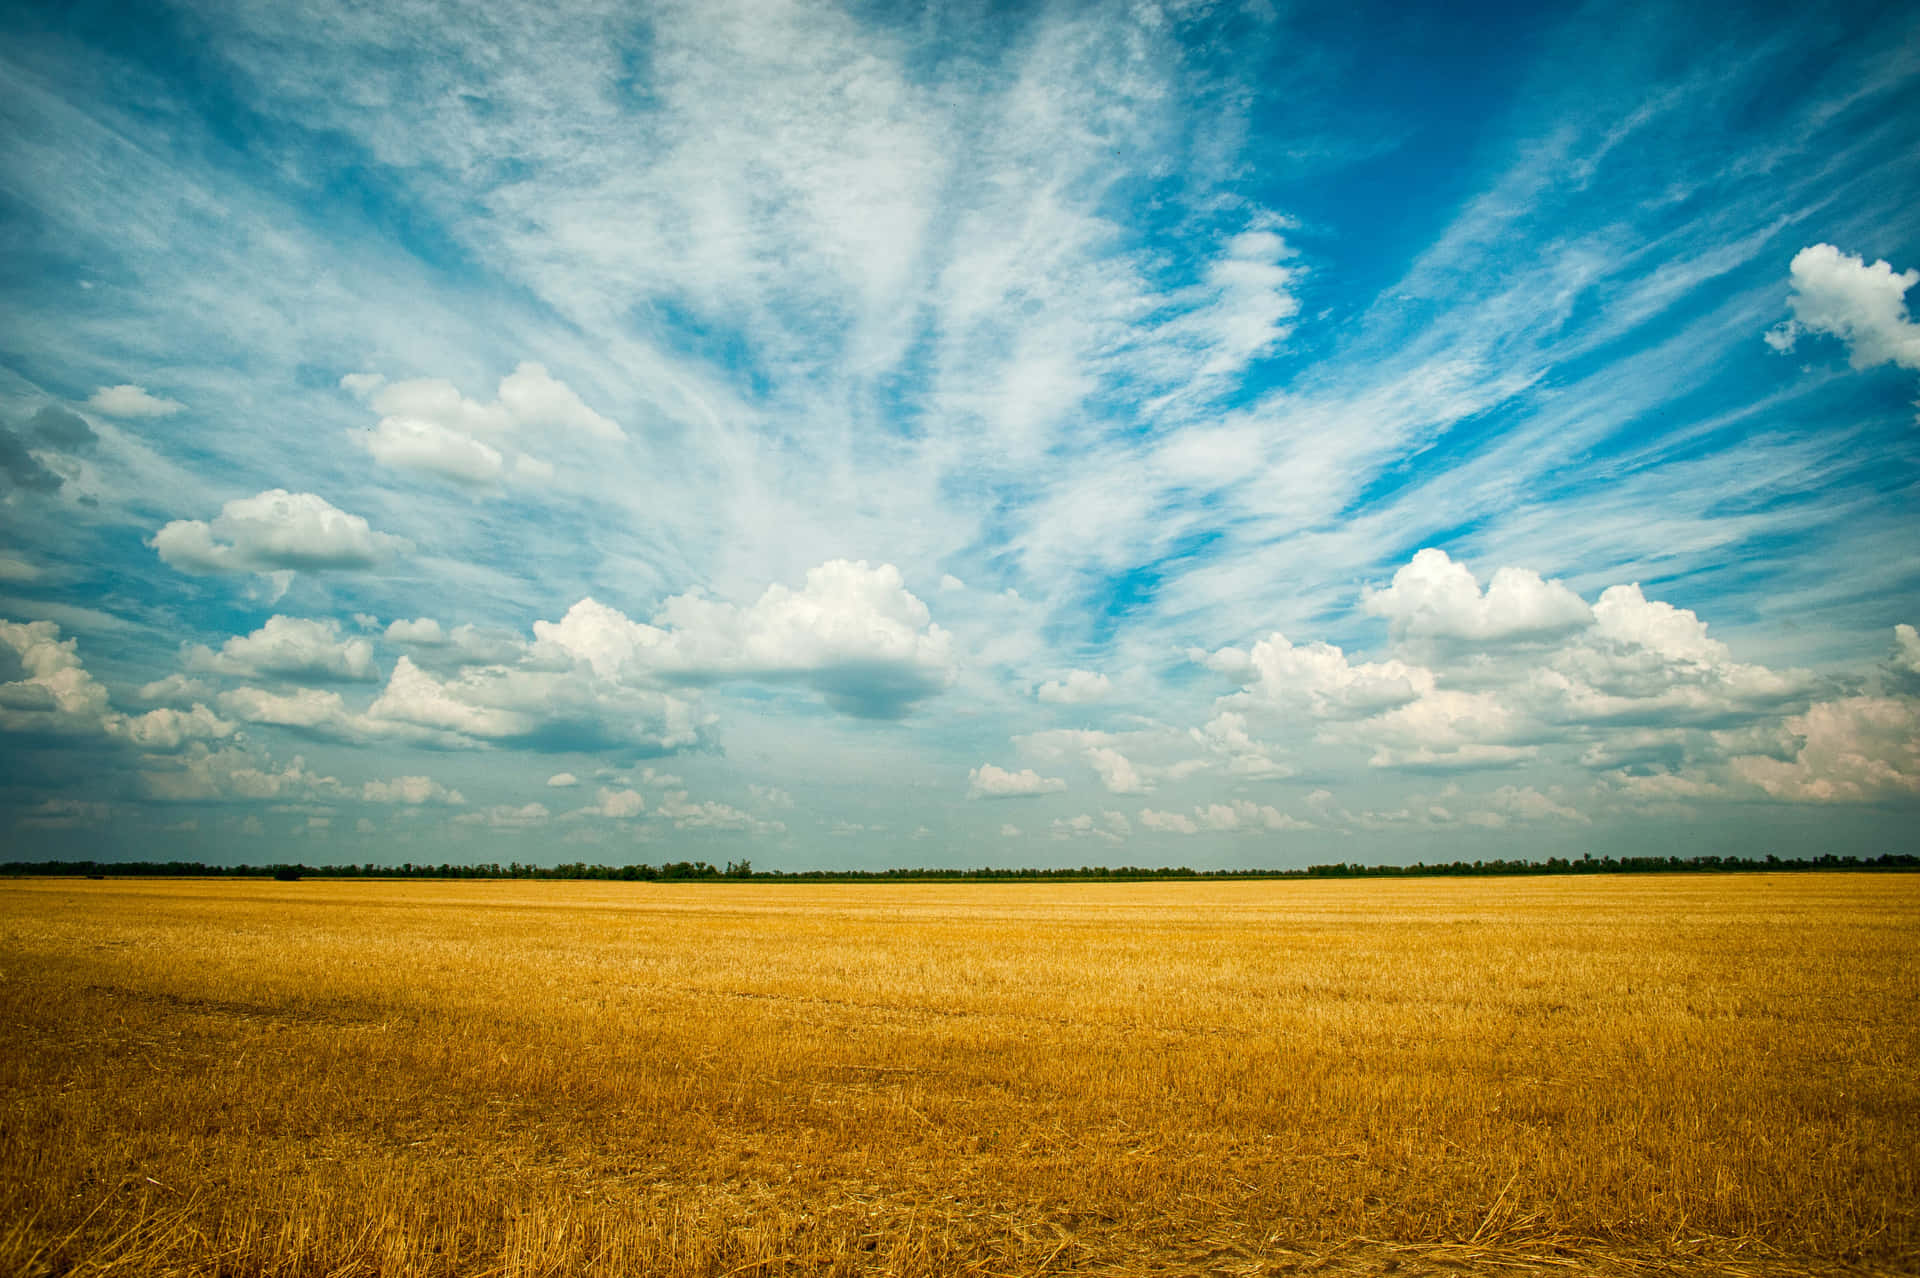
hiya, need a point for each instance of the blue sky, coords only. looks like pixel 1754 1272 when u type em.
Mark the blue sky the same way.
pixel 956 435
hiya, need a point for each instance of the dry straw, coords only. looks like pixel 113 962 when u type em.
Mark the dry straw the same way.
pixel 1620 1075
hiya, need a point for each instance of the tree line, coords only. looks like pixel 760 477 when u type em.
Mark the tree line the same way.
pixel 696 871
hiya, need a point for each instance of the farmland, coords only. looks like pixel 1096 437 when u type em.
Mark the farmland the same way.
pixel 1720 1074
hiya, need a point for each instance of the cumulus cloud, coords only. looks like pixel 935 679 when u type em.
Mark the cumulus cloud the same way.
pixel 990 782
pixel 407 443
pixel 506 817
pixel 563 780
pixel 538 708
pixel 1116 771
pixel 1226 736
pixel 1318 678
pixel 411 791
pixel 853 633
pixel 206 774
pixel 1110 826
pixel 1838 295
pixel 1168 822
pixel 53 693
pixel 687 814
pixel 176 690
pixel 131 401
pixel 1433 597
pixel 290 648
pixel 276 531
pixel 1080 687
pixel 427 425
pixel 1853 750
pixel 615 805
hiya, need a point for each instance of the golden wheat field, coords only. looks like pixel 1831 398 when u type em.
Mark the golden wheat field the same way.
pixel 1613 1075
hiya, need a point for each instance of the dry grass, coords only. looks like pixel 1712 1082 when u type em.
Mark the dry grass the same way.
pixel 1614 1076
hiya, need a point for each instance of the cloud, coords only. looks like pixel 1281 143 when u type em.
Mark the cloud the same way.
pixel 407 443
pixel 1080 687
pixel 276 531
pixel 411 791
pixel 538 708
pixel 563 780
pixel 131 401
pixel 615 805
pixel 853 633
pixel 1242 816
pixel 1168 822
pixel 1858 749
pixel 1116 771
pixel 1318 678
pixel 428 425
pixel 54 694
pixel 1226 735
pixel 59 428
pixel 1524 803
pixel 772 796
pixel 1837 294
pixel 177 689
pixel 169 729
pixel 689 815
pixel 291 648
pixel 990 782
pixel 533 397
pixel 1432 597
pixel 506 817
pixel 1111 826
pixel 205 774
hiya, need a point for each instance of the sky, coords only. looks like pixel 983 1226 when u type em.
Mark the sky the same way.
pixel 1013 434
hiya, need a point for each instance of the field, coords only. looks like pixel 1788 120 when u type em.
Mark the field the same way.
pixel 1611 1075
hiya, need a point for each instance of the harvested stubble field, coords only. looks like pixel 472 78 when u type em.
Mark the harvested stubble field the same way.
pixel 1618 1075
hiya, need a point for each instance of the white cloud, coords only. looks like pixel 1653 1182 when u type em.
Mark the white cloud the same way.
pixel 1318 678
pixel 507 817
pixel 533 397
pixel 1433 597
pixel 411 791
pixel 1837 294
pixel 131 401
pixel 168 728
pixel 990 782
pixel 414 696
pixel 408 443
pixel 1858 749
pixel 177 690
pixel 427 425
pixel 1008 830
pixel 422 632
pixel 1168 822
pixel 204 774
pixel 55 694
pixel 1116 771
pixel 615 805
pixel 1243 815
pixel 276 531
pixel 1226 735
pixel 853 633
pixel 1525 803
pixel 689 815
pixel 563 780
pixel 292 648
pixel 1079 688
